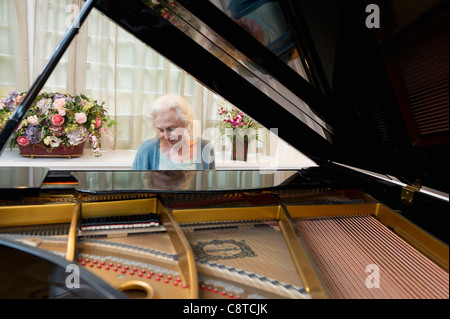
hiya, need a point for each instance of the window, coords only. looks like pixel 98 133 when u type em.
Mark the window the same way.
pixel 13 48
pixel 103 62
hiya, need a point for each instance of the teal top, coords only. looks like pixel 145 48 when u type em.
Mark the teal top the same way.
pixel 166 164
pixel 148 157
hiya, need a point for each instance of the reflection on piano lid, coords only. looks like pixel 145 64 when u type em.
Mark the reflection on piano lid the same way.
pixel 26 178
pixel 180 181
pixel 43 275
pixel 359 124
pixel 255 81
pixel 269 74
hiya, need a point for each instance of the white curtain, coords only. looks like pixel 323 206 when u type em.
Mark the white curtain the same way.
pixel 103 62
pixel 106 63
pixel 14 47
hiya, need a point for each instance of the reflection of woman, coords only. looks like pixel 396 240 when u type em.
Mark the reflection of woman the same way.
pixel 264 20
pixel 171 180
pixel 174 147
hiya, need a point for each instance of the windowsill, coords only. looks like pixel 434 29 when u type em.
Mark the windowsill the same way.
pixel 123 159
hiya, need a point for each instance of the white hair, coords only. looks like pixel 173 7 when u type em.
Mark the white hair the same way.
pixel 167 102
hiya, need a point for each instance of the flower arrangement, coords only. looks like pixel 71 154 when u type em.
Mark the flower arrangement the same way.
pixel 234 121
pixel 172 12
pixel 7 107
pixel 57 119
pixel 160 7
pixel 239 129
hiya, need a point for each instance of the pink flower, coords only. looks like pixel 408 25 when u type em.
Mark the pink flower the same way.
pixel 98 122
pixel 19 99
pixel 56 130
pixel 33 120
pixel 59 103
pixel 80 118
pixel 62 112
pixel 57 120
pixel 23 141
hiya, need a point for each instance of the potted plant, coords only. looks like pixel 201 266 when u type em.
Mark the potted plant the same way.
pixel 239 128
pixel 57 124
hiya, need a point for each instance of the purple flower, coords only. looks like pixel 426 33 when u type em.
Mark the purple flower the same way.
pixel 61 96
pixel 80 135
pixel 44 105
pixel 10 100
pixel 34 134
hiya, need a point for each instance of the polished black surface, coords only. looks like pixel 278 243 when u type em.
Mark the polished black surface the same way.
pixel 230 34
pixel 361 127
pixel 180 181
pixel 27 272
pixel 21 178
pixel 356 124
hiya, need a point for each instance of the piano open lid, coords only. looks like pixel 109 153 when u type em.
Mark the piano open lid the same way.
pixel 357 120
pixel 210 46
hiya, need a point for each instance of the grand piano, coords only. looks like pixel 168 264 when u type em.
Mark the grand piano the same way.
pixel 370 221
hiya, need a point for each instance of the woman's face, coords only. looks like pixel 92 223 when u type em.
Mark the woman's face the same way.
pixel 171 130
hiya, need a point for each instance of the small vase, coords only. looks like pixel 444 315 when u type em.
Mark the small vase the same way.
pixel 240 150
pixel 41 150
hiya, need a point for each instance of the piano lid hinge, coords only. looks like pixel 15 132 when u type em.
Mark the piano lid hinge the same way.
pixel 408 191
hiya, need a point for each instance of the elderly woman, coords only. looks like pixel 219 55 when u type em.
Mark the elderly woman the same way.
pixel 174 147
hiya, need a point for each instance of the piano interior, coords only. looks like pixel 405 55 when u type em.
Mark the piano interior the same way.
pixel 325 232
pixel 284 242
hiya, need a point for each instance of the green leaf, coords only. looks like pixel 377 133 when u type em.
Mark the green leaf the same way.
pixel 12 143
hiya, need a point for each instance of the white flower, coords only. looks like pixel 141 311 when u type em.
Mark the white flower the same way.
pixel 33 120
pixel 58 104
pixel 81 118
pixel 53 141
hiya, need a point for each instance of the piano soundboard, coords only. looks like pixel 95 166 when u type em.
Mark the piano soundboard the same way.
pixel 287 244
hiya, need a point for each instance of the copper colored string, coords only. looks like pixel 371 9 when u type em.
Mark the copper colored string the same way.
pixel 392 270
pixel 344 246
pixel 346 265
pixel 331 264
pixel 393 255
pixel 413 262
